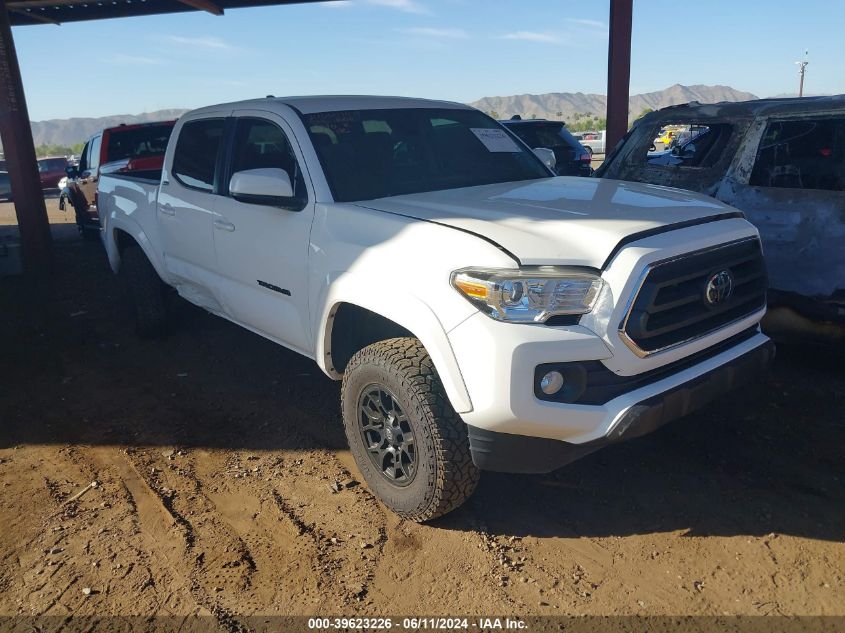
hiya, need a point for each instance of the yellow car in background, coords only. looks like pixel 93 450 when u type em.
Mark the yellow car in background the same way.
pixel 665 137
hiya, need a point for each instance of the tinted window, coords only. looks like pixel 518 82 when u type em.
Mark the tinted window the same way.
pixel 150 140
pixel 550 135
pixel 83 160
pixel 51 164
pixel 369 154
pixel 195 158
pixel 806 154
pixel 261 144
pixel 94 158
pixel 553 136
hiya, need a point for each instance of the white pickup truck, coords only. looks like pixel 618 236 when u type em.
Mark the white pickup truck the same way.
pixel 593 142
pixel 482 313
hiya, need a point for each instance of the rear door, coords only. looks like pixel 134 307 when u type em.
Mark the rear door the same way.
pixel 262 251
pixel 187 196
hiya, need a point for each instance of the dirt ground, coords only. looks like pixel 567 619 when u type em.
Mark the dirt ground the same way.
pixel 224 486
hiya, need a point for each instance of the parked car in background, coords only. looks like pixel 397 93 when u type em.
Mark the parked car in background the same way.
pixel 780 161
pixel 481 312
pixel 51 171
pixel 5 186
pixel 593 142
pixel 121 149
pixel 664 138
pixel 571 159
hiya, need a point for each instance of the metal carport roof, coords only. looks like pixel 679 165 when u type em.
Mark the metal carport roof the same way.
pixel 22 12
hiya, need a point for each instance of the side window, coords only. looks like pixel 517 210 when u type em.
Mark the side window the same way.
pixel 195 157
pixel 803 154
pixel 690 145
pixel 260 144
pixel 83 159
pixel 94 158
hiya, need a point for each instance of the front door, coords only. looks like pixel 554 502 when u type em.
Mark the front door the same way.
pixel 262 251
pixel 89 175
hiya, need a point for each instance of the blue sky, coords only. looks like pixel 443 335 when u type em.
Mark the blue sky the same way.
pixel 452 49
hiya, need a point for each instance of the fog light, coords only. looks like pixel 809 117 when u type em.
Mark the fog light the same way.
pixel 551 383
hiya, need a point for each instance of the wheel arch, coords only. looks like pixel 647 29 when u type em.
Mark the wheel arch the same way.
pixel 119 238
pixel 348 325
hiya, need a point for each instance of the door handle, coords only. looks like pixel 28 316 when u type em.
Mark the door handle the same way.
pixel 167 209
pixel 223 225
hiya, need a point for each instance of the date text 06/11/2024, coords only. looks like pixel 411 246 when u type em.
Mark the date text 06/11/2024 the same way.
pixel 418 623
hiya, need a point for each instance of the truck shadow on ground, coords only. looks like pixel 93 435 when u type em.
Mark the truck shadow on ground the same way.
pixel 768 459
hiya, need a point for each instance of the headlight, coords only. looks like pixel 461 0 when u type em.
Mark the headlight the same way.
pixel 528 296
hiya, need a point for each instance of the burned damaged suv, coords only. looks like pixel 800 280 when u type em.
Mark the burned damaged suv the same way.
pixel 780 161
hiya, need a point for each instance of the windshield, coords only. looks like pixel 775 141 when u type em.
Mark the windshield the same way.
pixel 369 154
pixel 149 140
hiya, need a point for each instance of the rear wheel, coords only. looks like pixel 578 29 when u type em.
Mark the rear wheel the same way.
pixel 144 291
pixel 409 444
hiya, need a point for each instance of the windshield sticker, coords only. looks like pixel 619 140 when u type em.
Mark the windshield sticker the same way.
pixel 495 140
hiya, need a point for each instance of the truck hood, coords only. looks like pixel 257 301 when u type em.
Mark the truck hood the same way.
pixel 563 220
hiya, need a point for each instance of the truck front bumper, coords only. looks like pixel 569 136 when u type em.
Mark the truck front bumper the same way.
pixel 508 452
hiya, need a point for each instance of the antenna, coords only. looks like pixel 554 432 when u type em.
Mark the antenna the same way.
pixel 802 66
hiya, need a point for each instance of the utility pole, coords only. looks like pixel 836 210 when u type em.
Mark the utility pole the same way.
pixel 802 65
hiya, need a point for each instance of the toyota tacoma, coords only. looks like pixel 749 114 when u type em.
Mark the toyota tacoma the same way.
pixel 482 313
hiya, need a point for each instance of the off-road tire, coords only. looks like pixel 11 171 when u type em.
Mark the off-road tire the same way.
pixel 144 291
pixel 445 475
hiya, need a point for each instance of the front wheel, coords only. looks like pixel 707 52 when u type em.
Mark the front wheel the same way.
pixel 409 444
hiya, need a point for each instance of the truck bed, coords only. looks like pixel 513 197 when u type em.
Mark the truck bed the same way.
pixel 141 175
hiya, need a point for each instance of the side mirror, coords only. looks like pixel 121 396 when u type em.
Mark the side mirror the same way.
pixel 72 172
pixel 547 156
pixel 269 186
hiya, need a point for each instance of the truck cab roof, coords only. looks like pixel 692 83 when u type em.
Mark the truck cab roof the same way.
pixel 336 103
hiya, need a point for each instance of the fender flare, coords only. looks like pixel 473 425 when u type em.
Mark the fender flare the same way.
pixel 404 309
pixel 134 231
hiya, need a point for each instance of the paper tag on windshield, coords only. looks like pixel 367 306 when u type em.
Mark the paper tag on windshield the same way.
pixel 495 140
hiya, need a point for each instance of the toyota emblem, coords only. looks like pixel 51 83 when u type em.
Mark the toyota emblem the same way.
pixel 719 287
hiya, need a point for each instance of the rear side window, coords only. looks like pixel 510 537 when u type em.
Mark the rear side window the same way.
pixel 83 160
pixel 149 140
pixel 195 158
pixel 805 154
pixel 549 135
pixel 94 158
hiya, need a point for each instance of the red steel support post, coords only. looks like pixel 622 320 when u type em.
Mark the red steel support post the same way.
pixel 618 70
pixel 19 150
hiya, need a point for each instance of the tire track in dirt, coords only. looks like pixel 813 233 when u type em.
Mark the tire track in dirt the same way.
pixel 153 524
pixel 315 495
pixel 150 484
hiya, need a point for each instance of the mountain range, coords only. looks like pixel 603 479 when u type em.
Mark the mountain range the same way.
pixel 570 104
pixel 71 131
pixel 578 104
